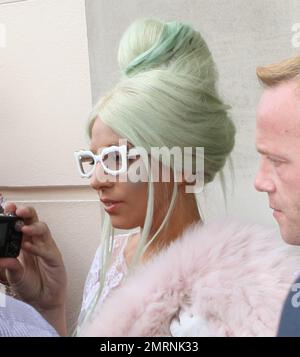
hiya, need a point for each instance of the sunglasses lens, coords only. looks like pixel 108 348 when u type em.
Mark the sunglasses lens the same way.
pixel 113 161
pixel 86 164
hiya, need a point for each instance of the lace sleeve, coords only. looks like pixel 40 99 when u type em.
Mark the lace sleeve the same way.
pixel 114 276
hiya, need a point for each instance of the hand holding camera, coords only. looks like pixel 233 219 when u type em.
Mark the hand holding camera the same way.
pixel 10 235
pixel 38 275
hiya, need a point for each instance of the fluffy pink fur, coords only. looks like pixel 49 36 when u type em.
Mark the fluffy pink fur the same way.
pixel 234 277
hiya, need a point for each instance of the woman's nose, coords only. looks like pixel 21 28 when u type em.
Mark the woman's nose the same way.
pixel 100 179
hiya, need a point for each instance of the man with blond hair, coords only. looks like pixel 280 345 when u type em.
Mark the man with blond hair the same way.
pixel 278 142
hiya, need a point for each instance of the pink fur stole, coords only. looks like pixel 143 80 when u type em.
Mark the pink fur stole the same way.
pixel 234 277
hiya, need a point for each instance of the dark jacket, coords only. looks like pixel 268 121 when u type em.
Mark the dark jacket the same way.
pixel 290 318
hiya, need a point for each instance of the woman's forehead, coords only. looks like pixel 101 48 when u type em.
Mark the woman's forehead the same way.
pixel 104 136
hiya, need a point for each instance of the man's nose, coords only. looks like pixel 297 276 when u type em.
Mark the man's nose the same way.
pixel 263 181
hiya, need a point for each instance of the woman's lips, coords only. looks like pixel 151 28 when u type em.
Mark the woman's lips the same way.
pixel 111 206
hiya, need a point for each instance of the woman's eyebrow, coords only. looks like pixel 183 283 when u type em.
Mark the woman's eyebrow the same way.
pixel 94 151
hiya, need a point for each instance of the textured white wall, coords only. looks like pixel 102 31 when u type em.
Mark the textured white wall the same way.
pixel 3 2
pixel 45 98
pixel 44 88
pixel 241 35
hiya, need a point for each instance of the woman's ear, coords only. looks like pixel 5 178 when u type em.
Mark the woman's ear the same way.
pixel 184 178
pixel 193 183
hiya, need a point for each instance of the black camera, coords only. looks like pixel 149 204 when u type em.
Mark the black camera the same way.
pixel 10 236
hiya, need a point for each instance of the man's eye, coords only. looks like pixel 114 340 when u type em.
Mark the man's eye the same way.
pixel 275 162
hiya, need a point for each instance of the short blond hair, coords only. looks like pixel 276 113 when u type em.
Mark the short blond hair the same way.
pixel 284 71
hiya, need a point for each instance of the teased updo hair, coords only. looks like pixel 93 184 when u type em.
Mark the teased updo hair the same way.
pixel 167 95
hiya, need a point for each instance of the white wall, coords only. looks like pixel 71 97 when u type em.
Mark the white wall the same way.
pixel 45 98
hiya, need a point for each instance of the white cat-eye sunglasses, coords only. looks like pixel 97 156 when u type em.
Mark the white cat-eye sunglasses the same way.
pixel 114 160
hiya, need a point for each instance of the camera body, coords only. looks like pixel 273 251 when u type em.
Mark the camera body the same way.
pixel 10 237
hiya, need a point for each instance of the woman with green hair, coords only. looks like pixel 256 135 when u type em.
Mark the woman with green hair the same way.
pixel 172 275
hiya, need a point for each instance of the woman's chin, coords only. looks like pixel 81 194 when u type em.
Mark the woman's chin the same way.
pixel 119 223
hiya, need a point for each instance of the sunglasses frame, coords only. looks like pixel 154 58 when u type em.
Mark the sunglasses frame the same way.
pixel 122 150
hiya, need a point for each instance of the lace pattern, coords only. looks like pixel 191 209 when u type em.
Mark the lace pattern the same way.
pixel 115 274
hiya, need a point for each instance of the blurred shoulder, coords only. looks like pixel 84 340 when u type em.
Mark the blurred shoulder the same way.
pixel 18 319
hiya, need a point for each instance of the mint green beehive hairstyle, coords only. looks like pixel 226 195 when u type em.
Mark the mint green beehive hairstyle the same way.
pixel 166 97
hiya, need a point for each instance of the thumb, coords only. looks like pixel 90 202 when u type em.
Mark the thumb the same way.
pixel 14 270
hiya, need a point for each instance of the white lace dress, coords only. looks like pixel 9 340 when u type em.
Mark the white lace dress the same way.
pixel 184 325
pixel 115 274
